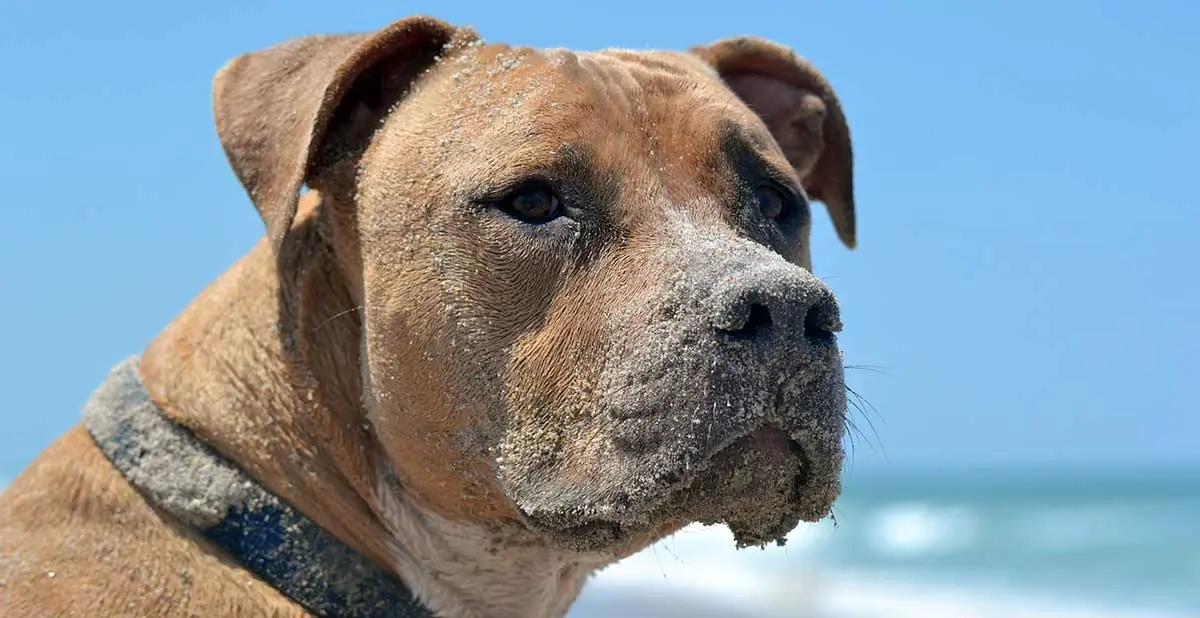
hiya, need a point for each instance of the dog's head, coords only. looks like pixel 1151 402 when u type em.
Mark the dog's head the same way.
pixel 579 283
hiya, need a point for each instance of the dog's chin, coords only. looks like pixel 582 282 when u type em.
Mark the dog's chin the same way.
pixel 761 486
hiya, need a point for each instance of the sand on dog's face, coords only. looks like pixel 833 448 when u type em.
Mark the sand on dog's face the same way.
pixel 577 375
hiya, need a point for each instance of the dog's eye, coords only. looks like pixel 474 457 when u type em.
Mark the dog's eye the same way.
pixel 533 203
pixel 773 202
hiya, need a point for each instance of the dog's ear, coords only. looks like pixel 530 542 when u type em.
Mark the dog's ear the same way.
pixel 284 112
pixel 800 108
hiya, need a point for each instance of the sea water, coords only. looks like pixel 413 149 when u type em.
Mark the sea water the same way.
pixel 994 545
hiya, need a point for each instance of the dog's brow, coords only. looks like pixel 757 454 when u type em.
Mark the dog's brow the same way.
pixel 736 133
pixel 567 163
pixel 574 159
pixel 745 153
pixel 568 166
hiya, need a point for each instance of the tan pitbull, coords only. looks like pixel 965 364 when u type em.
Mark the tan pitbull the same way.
pixel 538 310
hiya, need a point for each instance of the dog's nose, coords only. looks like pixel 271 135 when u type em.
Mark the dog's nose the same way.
pixel 765 303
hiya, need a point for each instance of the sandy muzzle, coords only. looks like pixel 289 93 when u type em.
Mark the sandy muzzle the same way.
pixel 691 418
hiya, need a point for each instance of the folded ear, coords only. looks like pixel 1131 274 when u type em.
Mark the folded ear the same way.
pixel 283 111
pixel 800 108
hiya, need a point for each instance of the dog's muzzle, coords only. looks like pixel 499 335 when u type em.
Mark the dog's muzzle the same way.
pixel 723 401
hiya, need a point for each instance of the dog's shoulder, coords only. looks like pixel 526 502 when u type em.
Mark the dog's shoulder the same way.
pixel 76 539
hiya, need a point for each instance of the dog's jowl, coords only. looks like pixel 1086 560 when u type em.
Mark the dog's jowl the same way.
pixel 517 314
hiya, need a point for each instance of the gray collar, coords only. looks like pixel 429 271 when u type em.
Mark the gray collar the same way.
pixel 184 477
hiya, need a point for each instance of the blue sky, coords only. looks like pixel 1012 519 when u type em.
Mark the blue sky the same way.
pixel 1028 237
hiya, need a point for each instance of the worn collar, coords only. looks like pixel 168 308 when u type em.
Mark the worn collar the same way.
pixel 274 541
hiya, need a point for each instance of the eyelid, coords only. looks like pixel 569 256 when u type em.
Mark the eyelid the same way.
pixel 798 201
pixel 786 183
pixel 505 190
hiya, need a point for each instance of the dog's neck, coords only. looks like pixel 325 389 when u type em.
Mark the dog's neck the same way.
pixel 477 572
pixel 227 369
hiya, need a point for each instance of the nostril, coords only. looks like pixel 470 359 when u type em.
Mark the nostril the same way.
pixel 821 322
pixel 758 320
pixel 815 328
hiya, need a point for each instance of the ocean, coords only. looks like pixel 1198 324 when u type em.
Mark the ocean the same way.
pixel 987 545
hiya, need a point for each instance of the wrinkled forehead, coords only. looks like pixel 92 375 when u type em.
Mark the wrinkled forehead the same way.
pixel 662 115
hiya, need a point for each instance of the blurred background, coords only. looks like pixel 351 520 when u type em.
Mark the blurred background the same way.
pixel 1021 313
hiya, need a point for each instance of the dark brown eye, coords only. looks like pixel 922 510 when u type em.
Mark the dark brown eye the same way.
pixel 773 203
pixel 534 204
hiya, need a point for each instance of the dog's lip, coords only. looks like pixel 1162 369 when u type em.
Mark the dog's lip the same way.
pixel 678 480
pixel 704 490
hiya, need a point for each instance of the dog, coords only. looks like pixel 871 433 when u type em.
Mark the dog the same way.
pixel 517 314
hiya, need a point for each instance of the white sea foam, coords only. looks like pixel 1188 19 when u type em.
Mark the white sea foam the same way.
pixel 698 574
pixel 915 528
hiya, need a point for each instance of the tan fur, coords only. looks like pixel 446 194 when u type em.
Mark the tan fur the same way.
pixel 397 365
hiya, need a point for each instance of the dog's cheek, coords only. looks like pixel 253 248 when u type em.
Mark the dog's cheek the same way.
pixel 505 276
pixel 431 397
pixel 552 391
pixel 428 429
pixel 442 332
